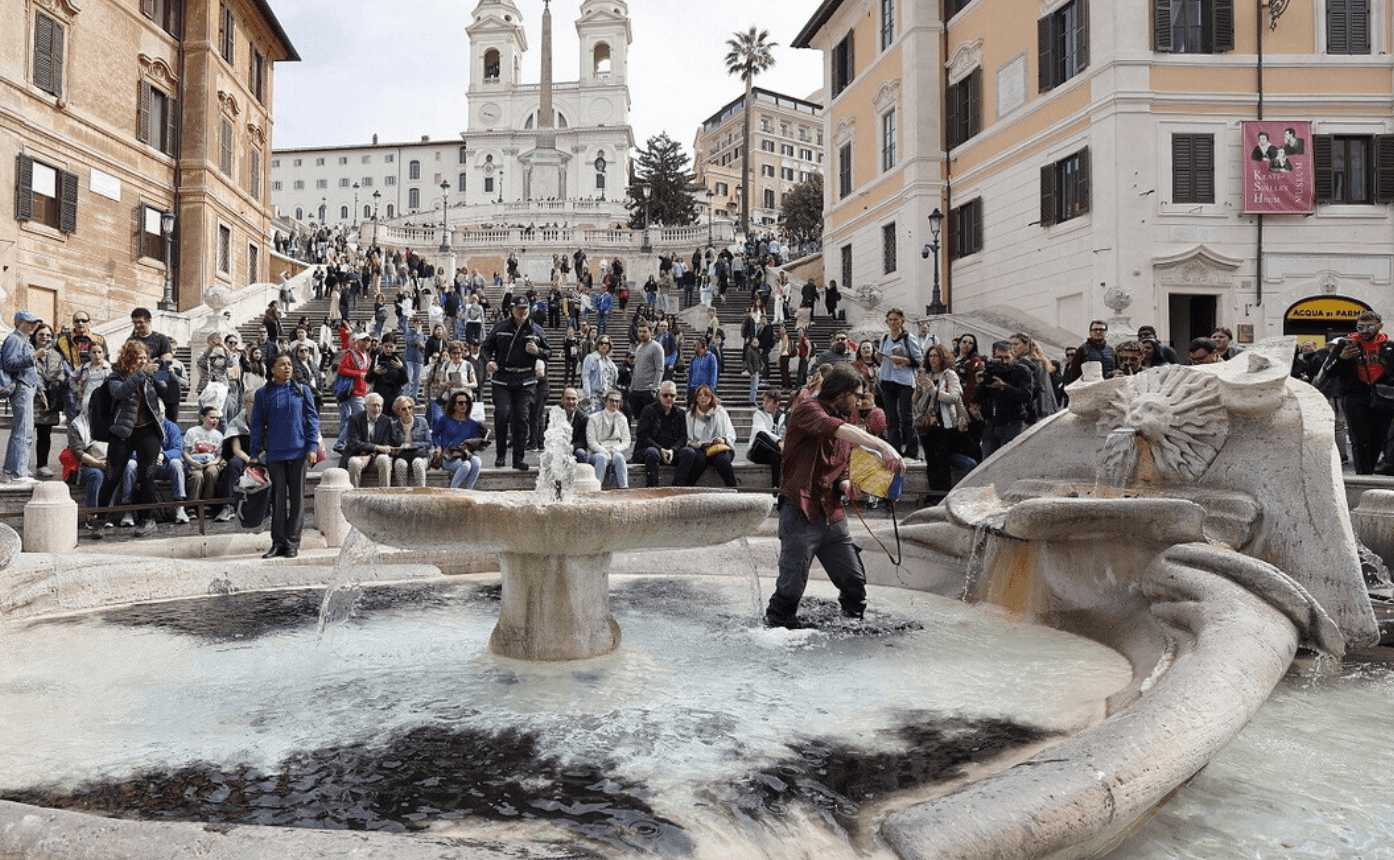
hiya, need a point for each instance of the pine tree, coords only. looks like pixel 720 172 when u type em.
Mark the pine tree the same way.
pixel 802 211
pixel 662 170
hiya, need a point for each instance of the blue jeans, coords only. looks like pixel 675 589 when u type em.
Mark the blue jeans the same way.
pixel 168 471
pixel 413 380
pixel 90 479
pixel 801 541
pixel 603 463
pixel 998 433
pixel 21 432
pixel 600 320
pixel 463 472
pixel 347 410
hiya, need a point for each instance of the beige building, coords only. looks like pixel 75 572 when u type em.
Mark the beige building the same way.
pixel 882 123
pixel 117 112
pixel 786 140
pixel 1088 146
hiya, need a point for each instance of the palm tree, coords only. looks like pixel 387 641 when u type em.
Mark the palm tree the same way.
pixel 750 55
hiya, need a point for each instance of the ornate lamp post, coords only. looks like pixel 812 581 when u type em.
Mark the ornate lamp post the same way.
pixel 444 217
pixel 377 195
pixel 500 186
pixel 355 205
pixel 167 231
pixel 644 192
pixel 936 225
pixel 709 216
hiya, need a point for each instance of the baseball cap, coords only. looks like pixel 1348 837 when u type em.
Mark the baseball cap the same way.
pixel 26 316
pixel 521 302
pixel 363 335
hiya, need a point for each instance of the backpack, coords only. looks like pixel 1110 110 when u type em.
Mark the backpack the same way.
pixel 101 413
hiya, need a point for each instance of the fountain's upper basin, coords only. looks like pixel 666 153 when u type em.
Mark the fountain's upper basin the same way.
pixel 616 520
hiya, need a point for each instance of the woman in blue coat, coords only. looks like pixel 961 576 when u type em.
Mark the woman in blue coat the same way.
pixel 285 438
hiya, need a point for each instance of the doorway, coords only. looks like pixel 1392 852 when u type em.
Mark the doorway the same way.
pixel 1190 316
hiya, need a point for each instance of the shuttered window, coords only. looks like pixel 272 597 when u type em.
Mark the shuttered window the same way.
pixel 48 54
pixel 1192 168
pixel 843 65
pixel 1353 168
pixel 844 170
pixel 1065 188
pixel 888 248
pixel 965 108
pixel 1192 26
pixel 227 31
pixel 966 229
pixel 1062 39
pixel 45 194
pixel 225 148
pixel 157 119
pixel 1348 26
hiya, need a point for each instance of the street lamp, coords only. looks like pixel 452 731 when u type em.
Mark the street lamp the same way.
pixel 500 186
pixel 167 231
pixel 355 205
pixel 709 216
pixel 936 224
pixel 444 217
pixel 377 195
pixel 644 191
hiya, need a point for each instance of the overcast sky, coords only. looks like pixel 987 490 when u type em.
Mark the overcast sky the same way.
pixel 400 69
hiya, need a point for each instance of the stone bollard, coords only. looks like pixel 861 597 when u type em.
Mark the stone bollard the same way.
pixel 1373 522
pixel 50 519
pixel 329 512
pixel 586 481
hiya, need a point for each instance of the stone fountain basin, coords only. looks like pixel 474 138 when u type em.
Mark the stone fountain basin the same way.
pixel 515 522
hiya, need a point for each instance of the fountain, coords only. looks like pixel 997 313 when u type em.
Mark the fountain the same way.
pixel 554 545
pixel 1145 518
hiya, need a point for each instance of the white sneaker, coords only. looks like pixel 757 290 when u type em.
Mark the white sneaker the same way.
pixel 21 480
pixel 224 515
pixel 45 472
pixel 181 515
pixel 128 519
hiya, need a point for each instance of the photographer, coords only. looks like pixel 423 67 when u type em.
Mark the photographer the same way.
pixel 388 374
pixel 1366 360
pixel 1002 394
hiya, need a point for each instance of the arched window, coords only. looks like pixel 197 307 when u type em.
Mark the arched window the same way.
pixel 461 186
pixel 391 210
pixel 322 212
pixel 299 214
pixel 601 56
pixel 414 199
pixel 491 64
pixel 414 170
pixel 343 213
pixel 464 155
pixel 367 211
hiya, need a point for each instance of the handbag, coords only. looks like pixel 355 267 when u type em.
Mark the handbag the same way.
pixel 926 421
pixel 711 449
pixel 1382 396
pixel 343 388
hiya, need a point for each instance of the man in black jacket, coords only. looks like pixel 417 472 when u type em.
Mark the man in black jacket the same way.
pixel 1002 396
pixel 512 351
pixel 369 443
pixel 661 432
pixel 1366 359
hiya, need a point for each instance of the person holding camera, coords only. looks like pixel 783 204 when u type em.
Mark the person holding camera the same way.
pixel 512 351
pixel 1002 395
pixel 1365 366
pixel 456 440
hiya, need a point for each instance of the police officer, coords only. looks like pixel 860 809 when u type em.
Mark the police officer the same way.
pixel 512 351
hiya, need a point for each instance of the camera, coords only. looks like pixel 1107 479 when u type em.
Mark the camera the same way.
pixel 994 369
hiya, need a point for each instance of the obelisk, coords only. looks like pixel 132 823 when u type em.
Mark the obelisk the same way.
pixel 545 165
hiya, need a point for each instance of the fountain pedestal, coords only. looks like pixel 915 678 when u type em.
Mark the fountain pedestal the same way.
pixel 555 607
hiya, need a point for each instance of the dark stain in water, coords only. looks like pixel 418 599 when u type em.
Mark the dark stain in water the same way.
pixel 236 617
pixel 435 775
pixel 835 780
pixel 418 778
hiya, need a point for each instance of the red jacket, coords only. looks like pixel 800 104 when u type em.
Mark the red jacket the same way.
pixel 355 365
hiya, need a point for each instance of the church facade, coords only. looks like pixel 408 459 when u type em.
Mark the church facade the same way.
pixel 508 153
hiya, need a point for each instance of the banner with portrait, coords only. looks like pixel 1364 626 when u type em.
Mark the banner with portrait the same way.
pixel 1278 174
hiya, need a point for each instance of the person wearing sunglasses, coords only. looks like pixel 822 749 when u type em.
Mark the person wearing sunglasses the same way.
pixel 74 343
pixel 661 432
pixel 456 440
pixel 1364 366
